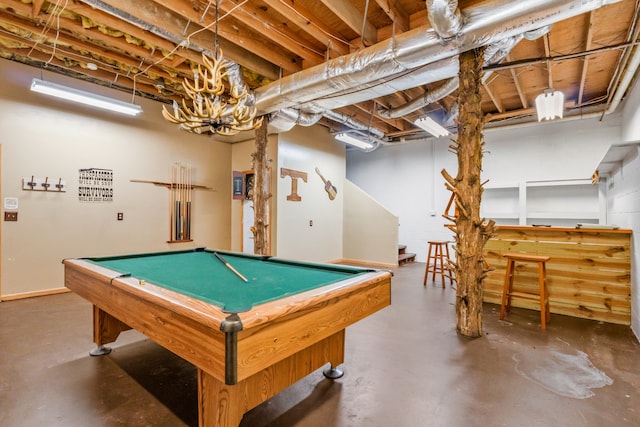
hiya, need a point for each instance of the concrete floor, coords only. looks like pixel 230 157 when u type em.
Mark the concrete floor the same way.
pixel 405 366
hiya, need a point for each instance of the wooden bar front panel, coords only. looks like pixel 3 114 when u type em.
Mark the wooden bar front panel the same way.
pixel 588 275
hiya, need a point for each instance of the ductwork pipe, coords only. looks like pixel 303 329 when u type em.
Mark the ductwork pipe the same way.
pixel 285 120
pixel 445 17
pixel 365 74
pixel 493 54
pixel 429 98
pixel 353 124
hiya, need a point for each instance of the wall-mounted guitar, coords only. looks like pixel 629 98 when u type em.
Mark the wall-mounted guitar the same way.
pixel 328 187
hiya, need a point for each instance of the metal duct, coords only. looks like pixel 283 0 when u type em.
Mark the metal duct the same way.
pixel 493 54
pixel 429 98
pixel 234 76
pixel 353 124
pixel 285 120
pixel 401 58
pixel 445 17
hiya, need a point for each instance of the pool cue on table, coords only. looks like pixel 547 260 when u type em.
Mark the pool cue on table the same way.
pixel 229 266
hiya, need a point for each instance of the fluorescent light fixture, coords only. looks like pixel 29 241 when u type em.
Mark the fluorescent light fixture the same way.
pixel 430 125
pixel 550 105
pixel 352 140
pixel 82 97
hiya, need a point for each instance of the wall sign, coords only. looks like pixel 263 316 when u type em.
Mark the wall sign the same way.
pixel 295 175
pixel 95 185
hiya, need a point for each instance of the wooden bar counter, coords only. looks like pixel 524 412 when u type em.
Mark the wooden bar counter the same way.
pixel 588 275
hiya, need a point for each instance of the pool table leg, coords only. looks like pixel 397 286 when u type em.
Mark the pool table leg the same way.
pixel 223 405
pixel 106 329
pixel 219 405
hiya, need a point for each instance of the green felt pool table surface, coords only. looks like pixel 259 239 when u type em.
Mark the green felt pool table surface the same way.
pixel 200 274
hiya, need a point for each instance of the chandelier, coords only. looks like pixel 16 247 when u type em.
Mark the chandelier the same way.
pixel 208 110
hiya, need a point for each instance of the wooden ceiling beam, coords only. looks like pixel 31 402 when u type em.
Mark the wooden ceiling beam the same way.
pixel 585 63
pixel 66 44
pixel 264 23
pixel 547 53
pixel 310 24
pixel 363 116
pixel 395 13
pixel 149 17
pixel 354 20
pixel 106 78
pixel 368 106
pixel 40 52
pixel 36 7
pixel 516 82
pixel 496 101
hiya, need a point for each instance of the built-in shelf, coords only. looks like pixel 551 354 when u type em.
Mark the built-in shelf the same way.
pixel 558 203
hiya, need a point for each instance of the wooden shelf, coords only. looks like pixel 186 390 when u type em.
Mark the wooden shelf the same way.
pixel 559 201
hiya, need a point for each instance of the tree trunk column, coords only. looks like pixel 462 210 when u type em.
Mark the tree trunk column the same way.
pixel 260 193
pixel 471 232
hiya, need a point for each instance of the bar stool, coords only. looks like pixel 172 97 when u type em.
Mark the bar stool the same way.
pixel 543 294
pixel 438 262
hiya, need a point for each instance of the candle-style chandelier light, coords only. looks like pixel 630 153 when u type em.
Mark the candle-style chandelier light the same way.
pixel 208 109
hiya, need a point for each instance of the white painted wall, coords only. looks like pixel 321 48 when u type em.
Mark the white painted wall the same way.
pixel 304 149
pixel 406 178
pixel 631 116
pixel 623 206
pixel 370 230
pixel 552 151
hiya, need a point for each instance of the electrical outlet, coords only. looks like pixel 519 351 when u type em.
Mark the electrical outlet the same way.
pixel 11 216
pixel 120 216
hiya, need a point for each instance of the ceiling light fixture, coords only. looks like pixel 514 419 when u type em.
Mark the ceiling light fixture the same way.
pixel 352 140
pixel 430 125
pixel 550 105
pixel 86 98
pixel 207 110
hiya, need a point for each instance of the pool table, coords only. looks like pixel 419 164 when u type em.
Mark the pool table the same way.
pixel 250 333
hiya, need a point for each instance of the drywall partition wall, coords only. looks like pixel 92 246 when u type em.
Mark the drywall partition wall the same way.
pixel 370 230
pixel 406 180
pixel 242 162
pixel 623 206
pixel 309 221
pixel 49 138
pixel 631 117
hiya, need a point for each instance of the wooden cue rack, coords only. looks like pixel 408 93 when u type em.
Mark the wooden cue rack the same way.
pixel 181 189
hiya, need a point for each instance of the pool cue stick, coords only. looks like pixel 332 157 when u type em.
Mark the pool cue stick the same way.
pixel 189 194
pixel 176 204
pixel 181 203
pixel 186 202
pixel 229 266
pixel 171 204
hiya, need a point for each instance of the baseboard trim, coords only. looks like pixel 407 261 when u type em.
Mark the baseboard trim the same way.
pixel 13 297
pixel 362 263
